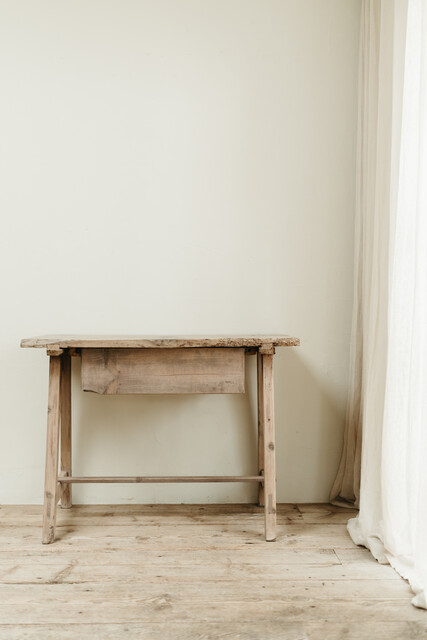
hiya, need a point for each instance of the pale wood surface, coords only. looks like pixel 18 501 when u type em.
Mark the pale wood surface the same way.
pixel 159 479
pixel 269 447
pixel 60 488
pixel 113 574
pixel 149 342
pixel 52 450
pixel 155 364
pixel 191 370
pixel 260 407
pixel 66 427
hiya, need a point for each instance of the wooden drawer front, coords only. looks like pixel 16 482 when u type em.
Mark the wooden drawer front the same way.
pixel 190 370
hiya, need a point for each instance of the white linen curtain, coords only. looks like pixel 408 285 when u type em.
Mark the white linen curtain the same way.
pixel 388 385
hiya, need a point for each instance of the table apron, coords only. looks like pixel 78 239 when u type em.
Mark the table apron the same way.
pixel 160 371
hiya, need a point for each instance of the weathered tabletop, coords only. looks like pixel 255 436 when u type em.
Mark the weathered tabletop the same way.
pixel 146 342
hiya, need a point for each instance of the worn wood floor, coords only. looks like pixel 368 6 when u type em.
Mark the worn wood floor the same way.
pixel 194 573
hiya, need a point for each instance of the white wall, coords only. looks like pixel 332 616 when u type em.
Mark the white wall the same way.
pixel 178 166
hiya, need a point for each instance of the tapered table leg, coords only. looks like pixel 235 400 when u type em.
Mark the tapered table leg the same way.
pixel 52 443
pixel 66 427
pixel 260 428
pixel 269 448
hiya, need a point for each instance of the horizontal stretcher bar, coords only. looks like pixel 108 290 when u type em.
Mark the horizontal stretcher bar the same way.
pixel 153 479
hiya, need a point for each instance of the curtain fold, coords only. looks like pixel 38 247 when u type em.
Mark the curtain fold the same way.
pixel 388 385
pixel 346 488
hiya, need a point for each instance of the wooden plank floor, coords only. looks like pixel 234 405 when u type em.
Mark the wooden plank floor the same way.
pixel 192 572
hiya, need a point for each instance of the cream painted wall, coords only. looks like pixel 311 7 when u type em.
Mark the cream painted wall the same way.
pixel 178 166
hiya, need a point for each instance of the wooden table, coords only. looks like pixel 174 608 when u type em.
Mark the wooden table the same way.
pixel 153 364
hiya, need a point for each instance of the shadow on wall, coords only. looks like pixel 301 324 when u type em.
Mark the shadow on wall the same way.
pixel 159 435
pixel 310 416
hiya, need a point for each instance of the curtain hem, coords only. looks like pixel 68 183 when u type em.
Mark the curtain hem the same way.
pixel 403 565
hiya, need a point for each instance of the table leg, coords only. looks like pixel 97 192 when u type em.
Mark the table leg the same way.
pixel 260 428
pixel 52 445
pixel 269 448
pixel 66 427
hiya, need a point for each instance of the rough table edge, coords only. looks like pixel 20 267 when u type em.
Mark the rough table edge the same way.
pixel 152 342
